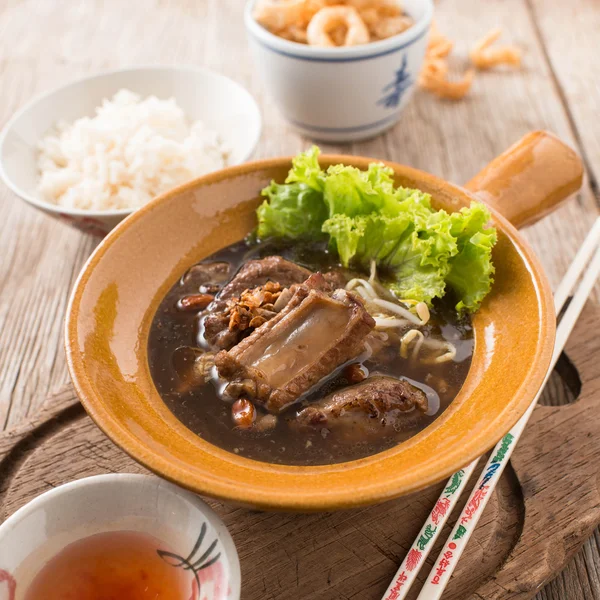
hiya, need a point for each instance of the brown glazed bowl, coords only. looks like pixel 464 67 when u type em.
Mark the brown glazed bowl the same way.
pixel 117 294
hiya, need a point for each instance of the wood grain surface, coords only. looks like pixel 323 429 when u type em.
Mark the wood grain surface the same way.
pixel 45 44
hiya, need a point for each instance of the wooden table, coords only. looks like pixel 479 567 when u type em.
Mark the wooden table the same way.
pixel 45 44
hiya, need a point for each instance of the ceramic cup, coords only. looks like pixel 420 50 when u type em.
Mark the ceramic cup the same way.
pixel 342 94
pixel 202 94
pixel 120 502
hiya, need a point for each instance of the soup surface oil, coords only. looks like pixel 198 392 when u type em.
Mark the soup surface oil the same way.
pixel 117 565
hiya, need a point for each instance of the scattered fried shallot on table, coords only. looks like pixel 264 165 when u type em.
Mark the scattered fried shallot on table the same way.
pixel 434 74
pixel 484 56
pixel 433 79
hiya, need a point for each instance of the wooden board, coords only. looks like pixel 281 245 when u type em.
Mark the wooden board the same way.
pixel 544 508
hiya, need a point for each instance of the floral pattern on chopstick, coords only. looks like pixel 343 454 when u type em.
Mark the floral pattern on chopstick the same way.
pixel 415 555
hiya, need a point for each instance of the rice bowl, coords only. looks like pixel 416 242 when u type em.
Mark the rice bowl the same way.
pixel 202 94
pixel 133 150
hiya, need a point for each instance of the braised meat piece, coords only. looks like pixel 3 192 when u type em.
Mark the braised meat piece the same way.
pixel 336 278
pixel 210 273
pixel 312 335
pixel 257 272
pixel 216 330
pixel 253 274
pixel 266 287
pixel 207 277
pixel 365 411
pixel 192 367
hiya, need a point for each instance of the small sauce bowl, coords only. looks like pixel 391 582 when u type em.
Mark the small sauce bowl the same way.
pixel 346 93
pixel 202 94
pixel 120 502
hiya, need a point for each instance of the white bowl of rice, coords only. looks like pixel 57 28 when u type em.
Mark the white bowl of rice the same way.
pixel 93 151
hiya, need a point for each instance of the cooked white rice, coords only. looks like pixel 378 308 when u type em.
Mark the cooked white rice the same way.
pixel 130 152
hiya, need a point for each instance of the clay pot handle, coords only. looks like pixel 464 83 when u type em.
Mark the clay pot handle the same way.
pixel 530 179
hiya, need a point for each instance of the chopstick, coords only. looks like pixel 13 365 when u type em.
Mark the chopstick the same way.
pixel 465 526
pixel 457 541
pixel 425 540
pixel 574 272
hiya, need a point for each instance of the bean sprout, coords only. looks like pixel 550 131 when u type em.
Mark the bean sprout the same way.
pixel 364 292
pixel 408 301
pixel 353 283
pixel 373 273
pixel 415 334
pixel 385 322
pixel 366 289
pixel 406 341
pixel 423 312
pixel 440 344
pixel 397 309
pixel 371 292
pixel 442 358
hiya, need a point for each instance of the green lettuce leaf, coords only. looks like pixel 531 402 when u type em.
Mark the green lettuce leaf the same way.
pixel 348 192
pixel 346 233
pixel 420 252
pixel 360 239
pixel 293 211
pixel 352 192
pixel 420 263
pixel 471 270
pixel 306 169
pixel 412 251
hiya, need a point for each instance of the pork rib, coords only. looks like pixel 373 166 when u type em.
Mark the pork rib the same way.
pixel 252 274
pixel 285 357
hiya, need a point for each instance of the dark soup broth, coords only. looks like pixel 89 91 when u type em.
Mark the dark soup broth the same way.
pixel 274 352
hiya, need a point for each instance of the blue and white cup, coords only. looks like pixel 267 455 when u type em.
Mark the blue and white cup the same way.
pixel 342 94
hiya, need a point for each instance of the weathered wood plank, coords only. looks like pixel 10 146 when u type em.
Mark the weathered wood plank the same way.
pixel 428 137
pixel 569 33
